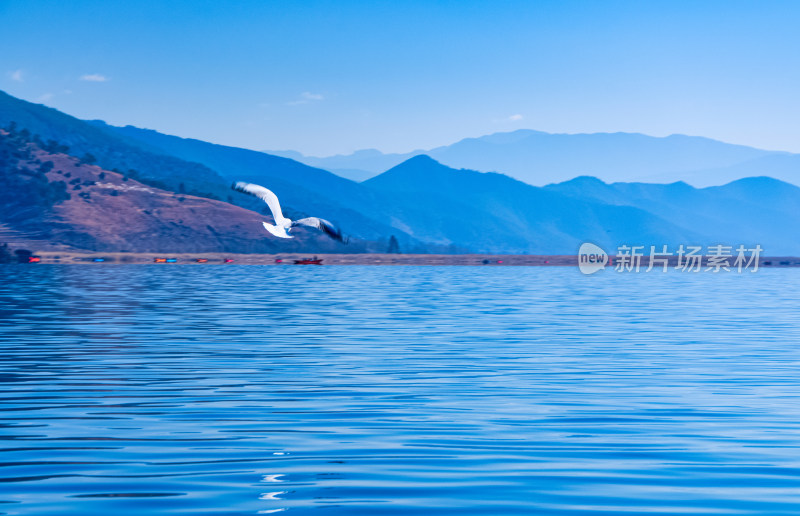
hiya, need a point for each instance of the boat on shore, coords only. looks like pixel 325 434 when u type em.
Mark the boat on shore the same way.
pixel 309 261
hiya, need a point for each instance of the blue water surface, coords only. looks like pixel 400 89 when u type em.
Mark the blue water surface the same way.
pixel 233 390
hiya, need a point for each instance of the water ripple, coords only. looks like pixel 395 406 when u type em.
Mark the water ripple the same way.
pixel 237 390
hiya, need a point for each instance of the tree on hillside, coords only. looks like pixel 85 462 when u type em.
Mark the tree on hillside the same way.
pixel 5 254
pixel 23 255
pixel 46 167
pixel 394 246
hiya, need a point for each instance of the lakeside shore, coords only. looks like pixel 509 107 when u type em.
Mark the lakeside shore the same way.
pixel 355 259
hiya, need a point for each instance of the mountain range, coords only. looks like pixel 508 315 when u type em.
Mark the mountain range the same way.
pixel 54 201
pixel 182 195
pixel 540 158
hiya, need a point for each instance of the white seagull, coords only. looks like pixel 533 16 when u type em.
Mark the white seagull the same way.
pixel 282 224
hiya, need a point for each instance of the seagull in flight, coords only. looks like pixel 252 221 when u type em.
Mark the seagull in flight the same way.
pixel 282 224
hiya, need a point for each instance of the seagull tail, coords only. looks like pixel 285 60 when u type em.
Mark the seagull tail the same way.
pixel 278 231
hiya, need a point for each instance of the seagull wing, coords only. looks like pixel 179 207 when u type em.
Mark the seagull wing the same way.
pixel 265 195
pixel 323 225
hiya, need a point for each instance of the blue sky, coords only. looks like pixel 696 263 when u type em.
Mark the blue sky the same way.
pixel 335 76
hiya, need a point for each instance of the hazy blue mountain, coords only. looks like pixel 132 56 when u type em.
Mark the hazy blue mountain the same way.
pixel 785 167
pixel 359 166
pixel 495 213
pixel 540 158
pixel 755 210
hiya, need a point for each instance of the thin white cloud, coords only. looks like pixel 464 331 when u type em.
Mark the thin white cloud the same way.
pixel 311 96
pixel 305 98
pixel 94 77
pixel 508 119
pixel 17 75
pixel 45 97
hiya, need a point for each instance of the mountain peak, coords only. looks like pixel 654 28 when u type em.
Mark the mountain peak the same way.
pixel 422 163
pixel 366 153
pixel 584 181
pixel 757 180
pixel 421 169
pixel 420 160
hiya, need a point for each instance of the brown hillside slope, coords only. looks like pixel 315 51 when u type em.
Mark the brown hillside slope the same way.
pixel 106 211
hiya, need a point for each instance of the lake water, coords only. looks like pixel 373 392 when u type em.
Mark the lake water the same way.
pixel 233 390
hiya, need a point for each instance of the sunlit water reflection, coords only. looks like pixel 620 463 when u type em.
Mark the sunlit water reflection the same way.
pixel 233 390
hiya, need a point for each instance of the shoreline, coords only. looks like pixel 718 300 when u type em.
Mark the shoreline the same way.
pixel 68 257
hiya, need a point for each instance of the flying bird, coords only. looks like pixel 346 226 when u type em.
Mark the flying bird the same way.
pixel 282 224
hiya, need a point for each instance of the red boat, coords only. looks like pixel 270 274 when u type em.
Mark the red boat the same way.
pixel 309 261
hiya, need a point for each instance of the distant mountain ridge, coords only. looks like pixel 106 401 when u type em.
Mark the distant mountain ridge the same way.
pixel 492 211
pixel 358 166
pixel 540 158
pixel 750 211
pixel 497 213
